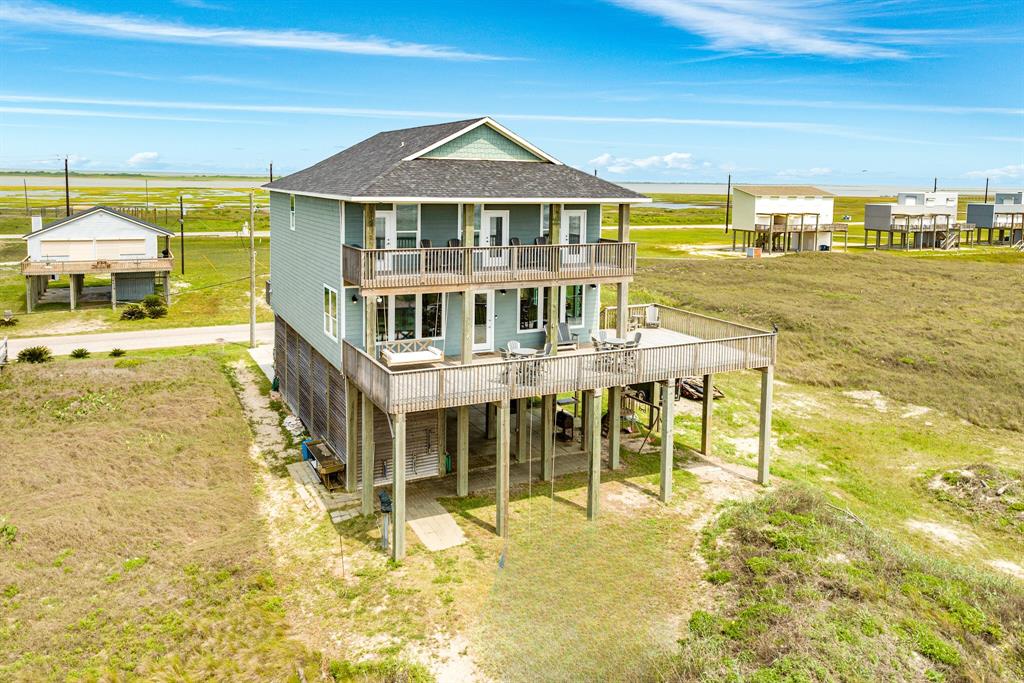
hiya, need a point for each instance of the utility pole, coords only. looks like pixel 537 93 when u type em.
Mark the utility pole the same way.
pixel 986 193
pixel 271 171
pixel 146 180
pixel 181 228
pixel 728 202
pixel 935 185
pixel 24 187
pixel 252 273
pixel 67 189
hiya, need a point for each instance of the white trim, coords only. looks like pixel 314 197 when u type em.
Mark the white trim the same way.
pixel 488 345
pixel 486 121
pixel 540 310
pixel 89 212
pixel 389 312
pixel 468 200
pixel 332 290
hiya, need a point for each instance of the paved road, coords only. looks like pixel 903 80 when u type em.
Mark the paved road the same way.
pixel 147 339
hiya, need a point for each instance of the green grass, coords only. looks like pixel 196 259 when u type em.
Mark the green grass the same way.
pixel 213 291
pixel 816 596
pixel 139 549
pixel 932 329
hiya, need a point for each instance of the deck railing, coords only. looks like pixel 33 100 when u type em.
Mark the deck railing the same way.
pixel 60 267
pixel 807 227
pixel 456 385
pixel 449 268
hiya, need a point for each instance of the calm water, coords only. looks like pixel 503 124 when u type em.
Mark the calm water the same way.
pixel 841 190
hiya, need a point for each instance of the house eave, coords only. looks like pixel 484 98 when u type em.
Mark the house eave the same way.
pixel 363 199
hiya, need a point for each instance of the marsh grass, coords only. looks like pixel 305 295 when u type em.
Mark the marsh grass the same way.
pixel 139 547
pixel 933 330
pixel 814 595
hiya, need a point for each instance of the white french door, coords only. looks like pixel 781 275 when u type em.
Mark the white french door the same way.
pixel 483 321
pixel 574 231
pixel 387 238
pixel 494 229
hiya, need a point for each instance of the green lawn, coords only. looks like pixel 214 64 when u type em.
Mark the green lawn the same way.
pixel 213 291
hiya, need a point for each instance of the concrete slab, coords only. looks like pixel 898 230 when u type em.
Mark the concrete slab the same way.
pixel 264 357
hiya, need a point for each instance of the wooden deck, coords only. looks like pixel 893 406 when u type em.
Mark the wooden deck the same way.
pixel 444 269
pixel 684 345
pixel 52 267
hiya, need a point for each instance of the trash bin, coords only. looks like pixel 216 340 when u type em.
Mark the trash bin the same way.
pixel 823 247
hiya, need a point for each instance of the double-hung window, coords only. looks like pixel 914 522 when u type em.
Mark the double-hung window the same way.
pixel 572 305
pixel 331 312
pixel 291 211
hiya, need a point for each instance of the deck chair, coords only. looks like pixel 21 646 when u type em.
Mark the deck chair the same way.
pixel 454 242
pixel 424 244
pixel 652 317
pixel 546 351
pixel 567 339
pixel 514 241
pixel 634 342
pixel 539 241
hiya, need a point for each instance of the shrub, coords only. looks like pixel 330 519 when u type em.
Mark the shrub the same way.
pixel 127 363
pixel 151 300
pixel 8 532
pixel 8 322
pixel 133 312
pixel 80 353
pixel 35 354
pixel 157 311
pixel 117 353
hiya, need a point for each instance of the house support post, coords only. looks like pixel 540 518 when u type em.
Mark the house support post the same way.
pixel 352 406
pixel 547 446
pixel 707 408
pixel 113 291
pixel 73 291
pixel 367 455
pixel 462 452
pixel 522 429
pixel 593 448
pixel 614 426
pixel 622 293
pixel 442 440
pixel 764 442
pixel 167 288
pixel 551 315
pixel 398 486
pixel 29 292
pixel 502 469
pixel 667 437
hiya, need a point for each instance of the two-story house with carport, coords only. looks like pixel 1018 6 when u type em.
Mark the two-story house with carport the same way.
pixel 780 218
pixel 431 276
pixel 101 242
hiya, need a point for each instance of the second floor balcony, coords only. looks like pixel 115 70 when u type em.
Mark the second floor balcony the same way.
pixel 97 266
pixel 445 269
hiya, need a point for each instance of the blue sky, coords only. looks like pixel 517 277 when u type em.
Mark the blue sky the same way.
pixel 890 91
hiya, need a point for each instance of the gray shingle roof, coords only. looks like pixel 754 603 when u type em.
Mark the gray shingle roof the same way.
pixel 108 209
pixel 374 168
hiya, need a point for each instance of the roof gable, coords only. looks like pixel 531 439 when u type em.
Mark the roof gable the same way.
pixel 100 209
pixel 484 140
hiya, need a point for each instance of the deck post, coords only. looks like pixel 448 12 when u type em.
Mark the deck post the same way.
pixel 667 437
pixel 707 408
pixel 593 448
pixel 442 440
pixel 167 288
pixel 586 410
pixel 367 455
pixel 614 426
pixel 466 350
pixel 72 291
pixel 352 405
pixel 113 291
pixel 622 294
pixel 522 427
pixel 547 445
pixel 551 314
pixel 462 452
pixel 764 443
pixel 398 487
pixel 29 284
pixel 502 469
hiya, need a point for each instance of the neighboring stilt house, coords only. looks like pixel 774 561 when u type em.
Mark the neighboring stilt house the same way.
pixel 784 218
pixel 918 220
pixel 97 242
pixel 451 273
pixel 1001 222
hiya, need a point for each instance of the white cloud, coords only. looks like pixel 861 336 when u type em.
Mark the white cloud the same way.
pixel 47 17
pixel 1008 171
pixel 809 27
pixel 143 159
pixel 805 172
pixel 672 161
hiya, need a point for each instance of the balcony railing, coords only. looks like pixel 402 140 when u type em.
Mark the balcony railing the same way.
pixel 808 227
pixel 733 347
pixel 61 267
pixel 439 269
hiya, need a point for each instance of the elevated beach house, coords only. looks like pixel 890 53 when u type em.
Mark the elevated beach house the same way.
pixel 1001 222
pixel 784 218
pixel 102 242
pixel 918 220
pixel 428 281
